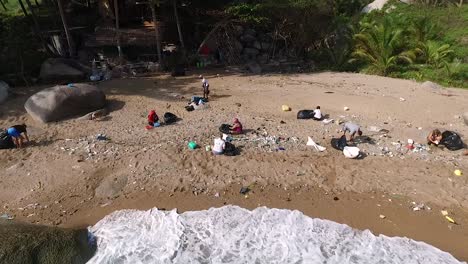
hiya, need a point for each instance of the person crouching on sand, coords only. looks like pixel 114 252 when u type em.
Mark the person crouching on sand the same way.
pixel 434 137
pixel 317 114
pixel 236 127
pixel 352 128
pixel 18 134
pixel 153 119
pixel 218 146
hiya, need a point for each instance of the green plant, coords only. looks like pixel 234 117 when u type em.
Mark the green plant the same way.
pixel 434 53
pixel 381 46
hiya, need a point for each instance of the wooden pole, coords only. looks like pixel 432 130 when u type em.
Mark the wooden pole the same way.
pixel 65 27
pixel 117 26
pixel 181 38
pixel 156 34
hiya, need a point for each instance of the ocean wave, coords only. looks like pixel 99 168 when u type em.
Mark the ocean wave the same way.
pixel 231 234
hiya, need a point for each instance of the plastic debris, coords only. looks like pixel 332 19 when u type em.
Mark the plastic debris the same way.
pixel 7 217
pixel 420 207
pixel 285 108
pixel 450 219
pixel 101 137
pixel 208 148
pixel 192 145
pixel 310 142
pixel 444 212
pixel 327 121
pixel 346 108
pixel 402 99
pixel 458 172
pixel 351 152
pixel 244 190
pixel 382 216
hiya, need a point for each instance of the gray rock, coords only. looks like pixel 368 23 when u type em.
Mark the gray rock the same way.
pixel 257 45
pixel 238 45
pixel 62 69
pixel 250 31
pixel 431 85
pixel 60 102
pixel 251 51
pixel 254 68
pixel 238 29
pixel 247 38
pixel 465 118
pixel 3 91
pixel 111 187
pixel 266 46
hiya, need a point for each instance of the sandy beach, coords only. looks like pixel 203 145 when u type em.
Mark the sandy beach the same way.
pixel 67 177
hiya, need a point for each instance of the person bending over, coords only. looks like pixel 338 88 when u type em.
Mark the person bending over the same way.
pixel 218 146
pixel 434 137
pixel 18 134
pixel 352 128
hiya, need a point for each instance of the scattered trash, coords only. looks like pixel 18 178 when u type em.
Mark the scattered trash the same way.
pixel 6 216
pixel 444 212
pixel 336 198
pixel 402 99
pixel 101 137
pixel 382 216
pixel 244 190
pixel 410 145
pixel 419 207
pixel 192 145
pixel 458 172
pixel 346 108
pixel 208 148
pixel 285 108
pixel 450 220
pixel 280 149
pixel 351 152
pixel 216 195
pixel 310 142
pixel 373 129
pixel 327 121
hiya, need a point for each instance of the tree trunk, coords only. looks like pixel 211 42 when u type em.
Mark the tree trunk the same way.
pixel 117 26
pixel 36 28
pixel 65 27
pixel 156 34
pixel 181 38
pixel 37 4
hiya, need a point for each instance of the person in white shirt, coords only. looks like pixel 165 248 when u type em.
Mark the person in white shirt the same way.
pixel 218 147
pixel 317 114
pixel 206 87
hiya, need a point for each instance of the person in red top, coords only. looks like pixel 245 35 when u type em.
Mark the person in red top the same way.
pixel 236 128
pixel 153 119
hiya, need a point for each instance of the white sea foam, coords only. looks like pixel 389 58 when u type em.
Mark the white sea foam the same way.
pixel 232 234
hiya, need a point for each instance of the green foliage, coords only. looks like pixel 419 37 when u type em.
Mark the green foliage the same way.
pixel 435 54
pixel 381 46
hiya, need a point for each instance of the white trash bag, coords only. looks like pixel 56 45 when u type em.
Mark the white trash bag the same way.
pixel 311 142
pixel 351 152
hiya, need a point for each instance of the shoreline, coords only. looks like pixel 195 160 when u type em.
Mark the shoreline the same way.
pixel 360 211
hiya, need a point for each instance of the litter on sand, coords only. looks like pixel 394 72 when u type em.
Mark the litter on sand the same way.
pixel 458 172
pixel 285 108
pixel 311 142
pixel 351 152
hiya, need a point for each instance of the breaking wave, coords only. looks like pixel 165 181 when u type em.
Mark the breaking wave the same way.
pixel 231 234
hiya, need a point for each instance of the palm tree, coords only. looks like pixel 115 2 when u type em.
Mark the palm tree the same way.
pixel 434 53
pixel 379 45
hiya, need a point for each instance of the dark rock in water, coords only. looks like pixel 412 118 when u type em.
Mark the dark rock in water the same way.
pixel 111 187
pixel 54 69
pixel 60 102
pixel 34 244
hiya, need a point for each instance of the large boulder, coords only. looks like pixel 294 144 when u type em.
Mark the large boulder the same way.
pixel 3 91
pixel 65 101
pixel 254 68
pixel 62 69
pixel 34 244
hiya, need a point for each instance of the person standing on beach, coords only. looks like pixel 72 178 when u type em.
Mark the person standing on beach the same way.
pixel 352 128
pixel 206 87
pixel 18 134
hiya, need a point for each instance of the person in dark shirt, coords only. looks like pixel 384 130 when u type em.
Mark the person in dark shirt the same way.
pixel 18 134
